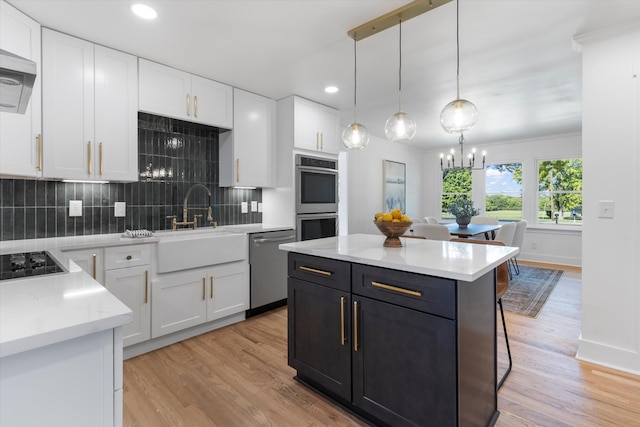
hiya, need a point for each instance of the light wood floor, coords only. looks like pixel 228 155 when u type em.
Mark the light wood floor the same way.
pixel 238 376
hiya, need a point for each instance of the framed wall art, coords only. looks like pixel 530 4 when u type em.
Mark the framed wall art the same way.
pixel 394 185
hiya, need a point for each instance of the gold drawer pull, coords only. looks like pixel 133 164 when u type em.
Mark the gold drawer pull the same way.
pixel 342 338
pixel 39 149
pixel 211 288
pixel 146 286
pixel 355 326
pixel 129 257
pixel 313 270
pixel 188 105
pixel 397 289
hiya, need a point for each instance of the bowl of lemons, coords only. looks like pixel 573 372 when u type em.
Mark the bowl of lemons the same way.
pixel 392 224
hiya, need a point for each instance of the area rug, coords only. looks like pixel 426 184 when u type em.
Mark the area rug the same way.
pixel 529 290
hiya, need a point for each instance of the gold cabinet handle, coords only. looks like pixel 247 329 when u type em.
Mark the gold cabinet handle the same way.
pixel 355 326
pixel 146 286
pixel 321 141
pixel 342 338
pixel 203 289
pixel 94 266
pixel 237 170
pixel 211 288
pixel 188 105
pixel 313 270
pixel 100 156
pixel 195 106
pixel 317 140
pixel 39 150
pixel 397 289
pixel 89 157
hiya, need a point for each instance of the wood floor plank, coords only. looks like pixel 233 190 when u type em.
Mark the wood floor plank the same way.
pixel 238 376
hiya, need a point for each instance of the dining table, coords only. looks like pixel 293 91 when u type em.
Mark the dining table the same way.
pixel 489 230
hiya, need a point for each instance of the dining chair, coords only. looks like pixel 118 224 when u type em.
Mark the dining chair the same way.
pixel 431 220
pixel 432 231
pixel 505 235
pixel 518 238
pixel 502 286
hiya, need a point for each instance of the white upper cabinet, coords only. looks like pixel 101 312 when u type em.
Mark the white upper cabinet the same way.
pixel 20 134
pixel 315 126
pixel 246 153
pixel 89 110
pixel 173 93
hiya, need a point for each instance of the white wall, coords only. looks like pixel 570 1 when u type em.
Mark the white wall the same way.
pixel 365 182
pixel 611 155
pixel 542 243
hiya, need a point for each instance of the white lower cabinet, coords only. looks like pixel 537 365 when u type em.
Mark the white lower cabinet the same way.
pixel 126 276
pixel 74 383
pixel 188 298
pixel 90 260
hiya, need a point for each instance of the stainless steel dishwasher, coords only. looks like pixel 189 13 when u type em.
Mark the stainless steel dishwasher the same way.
pixel 268 270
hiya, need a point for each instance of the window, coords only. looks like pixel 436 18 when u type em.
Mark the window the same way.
pixel 455 183
pixel 503 191
pixel 560 192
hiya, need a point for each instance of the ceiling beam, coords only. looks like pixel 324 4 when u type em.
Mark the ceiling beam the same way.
pixel 388 20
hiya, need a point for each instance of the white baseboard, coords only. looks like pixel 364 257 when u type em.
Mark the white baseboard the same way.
pixel 609 356
pixel 550 259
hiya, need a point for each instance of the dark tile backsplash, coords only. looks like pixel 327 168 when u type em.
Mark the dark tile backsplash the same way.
pixel 172 156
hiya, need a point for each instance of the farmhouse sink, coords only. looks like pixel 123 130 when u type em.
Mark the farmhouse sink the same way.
pixel 198 248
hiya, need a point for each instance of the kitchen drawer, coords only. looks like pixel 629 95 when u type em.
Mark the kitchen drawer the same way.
pixel 322 271
pixel 126 256
pixel 429 294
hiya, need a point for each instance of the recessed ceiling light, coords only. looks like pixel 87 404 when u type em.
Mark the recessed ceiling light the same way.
pixel 331 89
pixel 144 11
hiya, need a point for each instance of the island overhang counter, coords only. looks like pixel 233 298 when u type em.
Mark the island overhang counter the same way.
pixel 399 336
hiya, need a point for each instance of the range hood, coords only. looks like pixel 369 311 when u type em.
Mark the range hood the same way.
pixel 17 76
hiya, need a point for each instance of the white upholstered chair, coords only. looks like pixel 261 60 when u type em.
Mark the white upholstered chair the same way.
pixel 430 219
pixel 505 235
pixel 518 238
pixel 432 231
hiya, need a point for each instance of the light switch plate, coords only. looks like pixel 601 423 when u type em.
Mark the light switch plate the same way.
pixel 75 207
pixel 120 209
pixel 605 209
pixel 254 206
pixel 244 207
pixel 260 207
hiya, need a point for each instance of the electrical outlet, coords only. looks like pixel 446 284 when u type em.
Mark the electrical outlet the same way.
pixel 254 206
pixel 120 209
pixel 260 207
pixel 75 207
pixel 244 207
pixel 605 209
pixel 534 245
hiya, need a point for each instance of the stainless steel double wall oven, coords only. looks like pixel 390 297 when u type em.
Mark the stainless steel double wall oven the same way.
pixel 316 197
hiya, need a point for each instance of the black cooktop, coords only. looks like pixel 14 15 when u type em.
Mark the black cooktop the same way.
pixel 27 264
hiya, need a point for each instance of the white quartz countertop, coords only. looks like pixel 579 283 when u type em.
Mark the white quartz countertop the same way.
pixel 451 260
pixel 43 310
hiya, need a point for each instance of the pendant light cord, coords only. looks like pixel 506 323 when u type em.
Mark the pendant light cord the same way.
pixel 400 66
pixel 355 79
pixel 457 49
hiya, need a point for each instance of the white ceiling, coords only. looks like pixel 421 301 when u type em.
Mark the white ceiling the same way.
pixel 517 63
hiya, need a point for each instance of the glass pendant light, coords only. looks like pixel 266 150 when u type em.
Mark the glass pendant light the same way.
pixel 400 126
pixel 460 114
pixel 355 136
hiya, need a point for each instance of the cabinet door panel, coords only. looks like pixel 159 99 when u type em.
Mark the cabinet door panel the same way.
pixel 116 115
pixel 318 318
pixel 212 102
pixel 90 260
pixel 164 90
pixel 228 291
pixel 405 364
pixel 19 155
pixel 178 302
pixel 68 105
pixel 328 124
pixel 306 131
pixel 130 285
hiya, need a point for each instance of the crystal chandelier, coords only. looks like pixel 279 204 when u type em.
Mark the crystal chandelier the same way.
pixel 470 162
